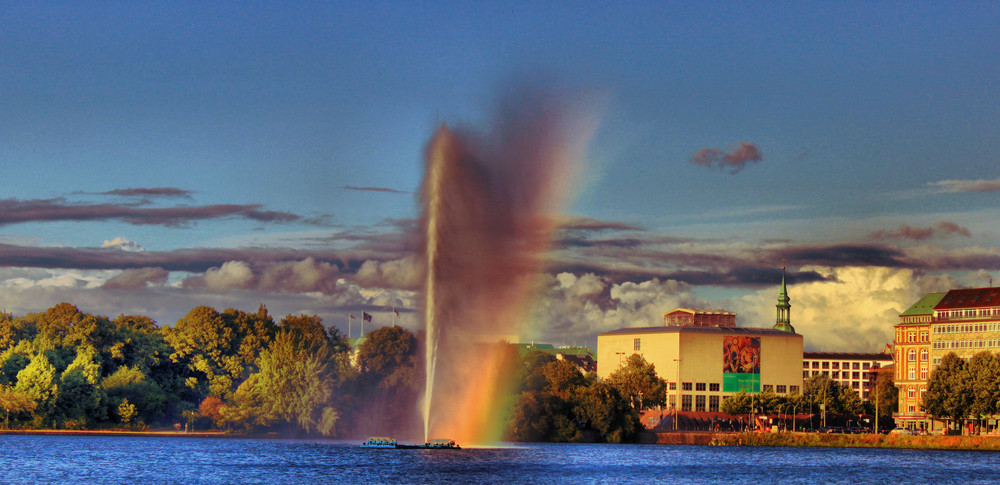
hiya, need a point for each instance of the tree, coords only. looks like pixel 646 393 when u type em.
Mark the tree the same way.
pixel 81 398
pixel 604 410
pixel 949 389
pixel 14 401
pixel 126 411
pixel 739 403
pixel 37 381
pixel 390 380
pixel 885 396
pixel 637 381
pixel 984 379
pixel 294 384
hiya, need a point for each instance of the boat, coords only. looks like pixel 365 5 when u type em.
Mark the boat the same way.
pixel 441 445
pixel 379 442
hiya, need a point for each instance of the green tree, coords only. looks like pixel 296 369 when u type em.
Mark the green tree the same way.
pixel 949 389
pixel 38 382
pixel 14 401
pixel 294 384
pixel 602 408
pixel 146 396
pixel 739 403
pixel 81 397
pixel 983 374
pixel 884 398
pixel 637 381
pixel 389 380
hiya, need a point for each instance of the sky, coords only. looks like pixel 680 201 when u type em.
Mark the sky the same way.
pixel 159 156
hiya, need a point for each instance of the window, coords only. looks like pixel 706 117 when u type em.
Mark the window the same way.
pixel 673 386
pixel 911 392
pixel 673 401
pixel 913 373
pixel 699 403
pixel 855 375
pixel 700 386
pixel 637 344
pixel 713 404
pixel 923 373
pixel 911 356
pixel 686 386
pixel 686 403
pixel 856 366
pixel 714 387
pixel 793 388
pixel 805 373
pixel 826 365
pixel 922 391
pixel 836 375
pixel 815 365
pixel 780 389
pixel 836 365
pixel 924 353
pixel 911 337
pixel 911 409
pixel 805 364
pixel 768 388
pixel 866 365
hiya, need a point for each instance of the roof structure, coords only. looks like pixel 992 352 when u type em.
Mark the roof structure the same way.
pixel 924 306
pixel 693 329
pixel 970 298
pixel 846 356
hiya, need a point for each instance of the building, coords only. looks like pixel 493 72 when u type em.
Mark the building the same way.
pixel 857 371
pixel 704 363
pixel 699 317
pixel 963 321
pixel 581 357
pixel 911 350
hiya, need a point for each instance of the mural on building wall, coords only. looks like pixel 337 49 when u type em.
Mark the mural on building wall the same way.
pixel 741 364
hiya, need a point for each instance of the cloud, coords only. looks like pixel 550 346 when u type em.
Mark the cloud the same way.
pixel 150 192
pixel 122 244
pixel 921 233
pixel 302 276
pixel 980 185
pixel 593 225
pixel 232 275
pixel 134 279
pixel 736 159
pixel 375 189
pixel 852 309
pixel 13 211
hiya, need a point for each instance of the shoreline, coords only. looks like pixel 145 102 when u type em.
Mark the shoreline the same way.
pixel 836 440
pixel 116 432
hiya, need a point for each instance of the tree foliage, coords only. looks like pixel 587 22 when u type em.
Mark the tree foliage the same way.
pixel 949 389
pixel 636 379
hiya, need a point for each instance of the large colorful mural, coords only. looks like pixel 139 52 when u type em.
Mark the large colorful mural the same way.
pixel 741 364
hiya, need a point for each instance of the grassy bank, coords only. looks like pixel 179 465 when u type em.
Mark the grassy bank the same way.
pixel 989 443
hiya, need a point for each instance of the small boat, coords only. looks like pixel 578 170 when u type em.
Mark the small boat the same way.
pixel 441 445
pixel 379 442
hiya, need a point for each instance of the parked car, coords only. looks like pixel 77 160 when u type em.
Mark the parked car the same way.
pixel 903 431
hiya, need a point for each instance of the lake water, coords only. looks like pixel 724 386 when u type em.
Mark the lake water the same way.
pixel 94 459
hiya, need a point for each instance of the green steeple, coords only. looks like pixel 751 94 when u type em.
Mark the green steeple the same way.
pixel 784 309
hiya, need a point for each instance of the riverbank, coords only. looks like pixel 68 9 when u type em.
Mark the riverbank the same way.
pixel 836 440
pixel 118 432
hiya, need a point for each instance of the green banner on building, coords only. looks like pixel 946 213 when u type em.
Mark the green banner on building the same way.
pixel 741 364
pixel 733 382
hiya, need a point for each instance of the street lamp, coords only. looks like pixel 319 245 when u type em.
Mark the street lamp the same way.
pixel 677 391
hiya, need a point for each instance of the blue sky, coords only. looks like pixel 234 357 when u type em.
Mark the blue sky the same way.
pixel 271 153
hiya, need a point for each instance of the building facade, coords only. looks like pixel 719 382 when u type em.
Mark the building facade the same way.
pixel 857 371
pixel 963 321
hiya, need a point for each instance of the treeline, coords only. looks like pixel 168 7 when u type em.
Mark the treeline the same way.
pixel 960 389
pixel 233 370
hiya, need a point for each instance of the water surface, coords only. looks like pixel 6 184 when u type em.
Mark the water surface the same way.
pixel 112 459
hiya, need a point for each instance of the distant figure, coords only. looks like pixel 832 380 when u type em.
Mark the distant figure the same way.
pixel 185 427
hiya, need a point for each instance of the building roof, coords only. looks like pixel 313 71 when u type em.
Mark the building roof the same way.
pixel 696 329
pixel 523 349
pixel 701 311
pixel 924 306
pixel 970 298
pixel 845 356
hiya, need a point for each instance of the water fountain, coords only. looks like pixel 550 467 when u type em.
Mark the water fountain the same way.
pixel 489 208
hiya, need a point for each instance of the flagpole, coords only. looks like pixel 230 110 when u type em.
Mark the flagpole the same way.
pixel 349 326
pixel 394 315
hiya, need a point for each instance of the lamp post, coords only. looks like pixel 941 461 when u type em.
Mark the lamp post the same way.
pixel 677 391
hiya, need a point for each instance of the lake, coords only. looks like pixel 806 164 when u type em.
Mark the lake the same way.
pixel 98 459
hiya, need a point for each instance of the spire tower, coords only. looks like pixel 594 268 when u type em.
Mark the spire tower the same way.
pixel 784 308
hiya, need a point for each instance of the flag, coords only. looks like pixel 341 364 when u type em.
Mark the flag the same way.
pixel 394 310
pixel 352 316
pixel 366 316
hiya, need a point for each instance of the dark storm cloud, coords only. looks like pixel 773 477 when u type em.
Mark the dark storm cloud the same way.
pixel 944 228
pixel 375 189
pixel 589 224
pixel 847 255
pixel 735 160
pixel 135 279
pixel 13 211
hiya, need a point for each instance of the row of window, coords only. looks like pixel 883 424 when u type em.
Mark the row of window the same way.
pixel 838 375
pixel 966 344
pixel 714 387
pixel 835 365
pixel 982 312
pixel 912 374
pixel 966 328
pixel 911 337
pixel 911 355
pixel 699 403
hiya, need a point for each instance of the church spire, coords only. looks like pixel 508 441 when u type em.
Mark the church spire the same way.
pixel 784 308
